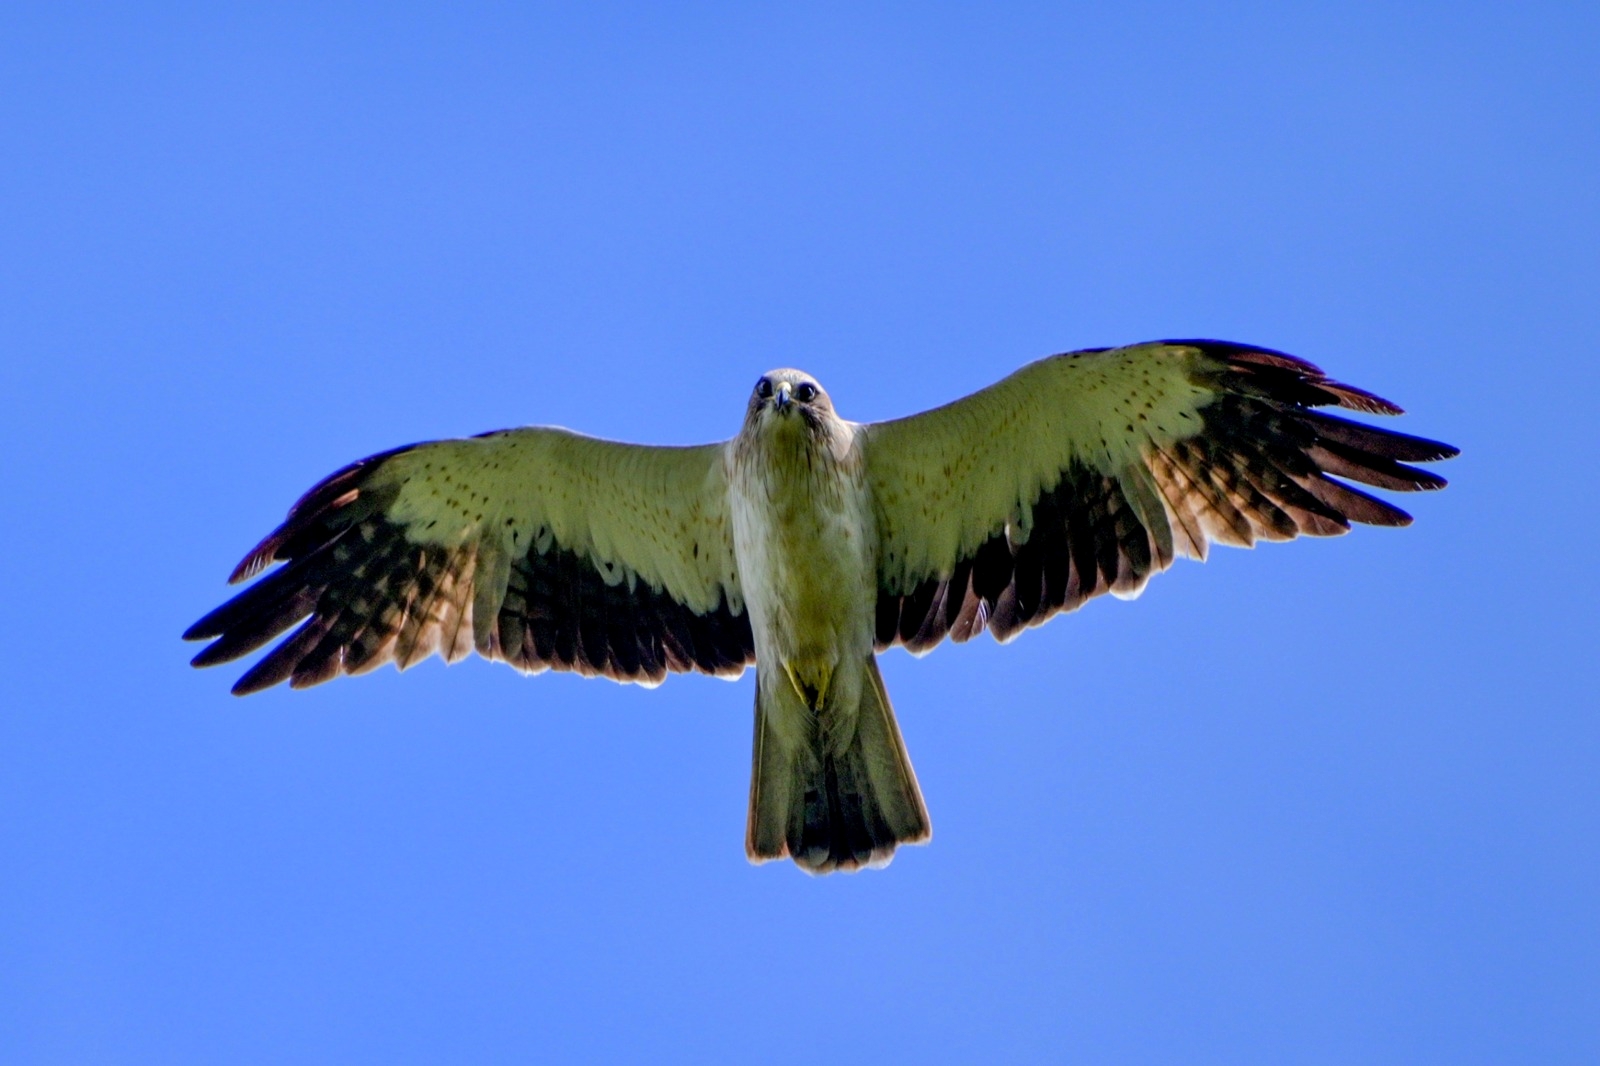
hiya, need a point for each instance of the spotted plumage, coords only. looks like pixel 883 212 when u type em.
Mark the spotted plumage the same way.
pixel 808 543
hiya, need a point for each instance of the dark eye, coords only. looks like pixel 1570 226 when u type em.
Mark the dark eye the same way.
pixel 764 388
pixel 806 392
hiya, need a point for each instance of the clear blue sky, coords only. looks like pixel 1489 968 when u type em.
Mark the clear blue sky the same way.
pixel 1327 802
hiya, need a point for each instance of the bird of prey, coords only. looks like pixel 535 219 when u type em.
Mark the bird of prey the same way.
pixel 807 544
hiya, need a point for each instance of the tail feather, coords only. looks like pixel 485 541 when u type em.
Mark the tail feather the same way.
pixel 831 810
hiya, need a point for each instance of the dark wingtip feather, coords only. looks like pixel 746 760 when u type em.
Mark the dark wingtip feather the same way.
pixel 252 682
pixel 1234 352
pixel 1375 470
pixel 1354 399
pixel 1355 505
pixel 259 556
pixel 338 490
pixel 1294 375
pixel 301 517
pixel 212 655
pixel 281 663
pixel 1387 443
pixel 200 630
pixel 217 621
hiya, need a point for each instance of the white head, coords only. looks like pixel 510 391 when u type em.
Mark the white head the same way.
pixel 789 398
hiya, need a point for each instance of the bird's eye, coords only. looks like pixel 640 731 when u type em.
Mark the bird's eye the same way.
pixel 806 392
pixel 764 388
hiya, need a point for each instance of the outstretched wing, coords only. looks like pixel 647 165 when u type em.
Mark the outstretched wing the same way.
pixel 1087 472
pixel 539 547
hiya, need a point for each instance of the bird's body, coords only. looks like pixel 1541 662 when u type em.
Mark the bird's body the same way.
pixel 807 544
pixel 831 783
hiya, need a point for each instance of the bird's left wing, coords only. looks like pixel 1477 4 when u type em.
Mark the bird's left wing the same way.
pixel 1087 472
pixel 540 547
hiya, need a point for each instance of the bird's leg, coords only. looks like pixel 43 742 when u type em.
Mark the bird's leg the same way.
pixel 811 680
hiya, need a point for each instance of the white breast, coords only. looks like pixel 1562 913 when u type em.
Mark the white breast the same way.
pixel 804 541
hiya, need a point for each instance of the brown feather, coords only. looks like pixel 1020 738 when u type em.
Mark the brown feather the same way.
pixel 1256 466
pixel 367 594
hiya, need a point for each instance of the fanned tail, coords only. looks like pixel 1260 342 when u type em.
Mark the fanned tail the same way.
pixel 830 811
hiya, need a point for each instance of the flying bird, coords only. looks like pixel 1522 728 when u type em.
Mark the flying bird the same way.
pixel 807 544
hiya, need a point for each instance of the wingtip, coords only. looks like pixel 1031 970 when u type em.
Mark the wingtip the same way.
pixel 251 683
pixel 274 669
pixel 1354 399
pixel 257 560
pixel 1253 354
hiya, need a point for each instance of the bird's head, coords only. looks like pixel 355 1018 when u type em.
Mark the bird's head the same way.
pixel 789 398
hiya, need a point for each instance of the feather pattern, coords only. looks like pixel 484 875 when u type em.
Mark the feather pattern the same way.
pixel 536 547
pixel 1081 475
pixel 1088 472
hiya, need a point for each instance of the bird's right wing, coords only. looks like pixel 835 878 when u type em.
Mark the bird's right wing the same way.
pixel 1085 473
pixel 540 547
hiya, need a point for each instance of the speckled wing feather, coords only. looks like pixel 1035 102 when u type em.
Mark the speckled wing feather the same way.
pixel 539 547
pixel 1087 472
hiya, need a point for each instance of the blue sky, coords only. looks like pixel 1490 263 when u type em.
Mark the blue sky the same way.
pixel 1325 802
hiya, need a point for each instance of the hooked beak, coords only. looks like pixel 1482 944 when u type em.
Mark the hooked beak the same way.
pixel 780 399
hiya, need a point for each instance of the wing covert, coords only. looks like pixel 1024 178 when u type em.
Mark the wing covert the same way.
pixel 1087 472
pixel 539 547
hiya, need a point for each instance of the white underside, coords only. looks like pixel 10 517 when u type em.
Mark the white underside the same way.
pixel 805 546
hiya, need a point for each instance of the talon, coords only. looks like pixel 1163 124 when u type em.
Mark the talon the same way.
pixel 810 683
